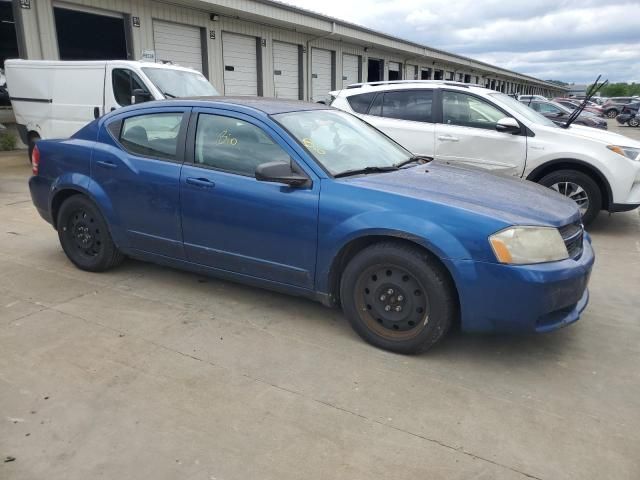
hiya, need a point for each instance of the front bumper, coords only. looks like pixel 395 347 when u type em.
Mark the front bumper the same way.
pixel 522 298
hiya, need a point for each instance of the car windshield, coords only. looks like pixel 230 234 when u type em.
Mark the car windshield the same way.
pixel 180 83
pixel 341 142
pixel 522 109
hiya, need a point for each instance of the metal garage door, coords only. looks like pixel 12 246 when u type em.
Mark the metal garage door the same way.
pixel 411 72
pixel 179 44
pixel 350 64
pixel 239 54
pixel 394 71
pixel 286 70
pixel 321 74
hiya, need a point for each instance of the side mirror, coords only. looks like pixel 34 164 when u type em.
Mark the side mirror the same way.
pixel 139 96
pixel 508 125
pixel 560 114
pixel 281 172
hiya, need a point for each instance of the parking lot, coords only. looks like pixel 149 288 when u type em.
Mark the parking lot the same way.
pixel 150 373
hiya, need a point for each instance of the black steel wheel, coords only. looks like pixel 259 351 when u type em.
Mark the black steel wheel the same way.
pixel 398 297
pixel 85 237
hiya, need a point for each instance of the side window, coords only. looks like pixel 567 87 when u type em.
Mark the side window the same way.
pixel 546 108
pixel 376 106
pixel 235 146
pixel 124 82
pixel 414 105
pixel 154 135
pixel 469 111
pixel 360 103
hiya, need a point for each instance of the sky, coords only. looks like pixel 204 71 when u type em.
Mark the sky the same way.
pixel 572 41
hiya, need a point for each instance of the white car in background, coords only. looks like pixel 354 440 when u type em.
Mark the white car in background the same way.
pixel 471 126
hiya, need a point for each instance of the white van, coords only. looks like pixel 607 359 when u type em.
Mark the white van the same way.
pixel 54 99
pixel 471 126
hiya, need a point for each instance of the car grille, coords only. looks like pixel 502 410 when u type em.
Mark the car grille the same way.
pixel 573 235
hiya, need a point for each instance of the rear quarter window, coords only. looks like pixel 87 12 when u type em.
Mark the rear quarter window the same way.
pixel 360 103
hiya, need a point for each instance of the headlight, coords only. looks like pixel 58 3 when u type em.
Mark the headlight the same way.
pixel 522 245
pixel 629 152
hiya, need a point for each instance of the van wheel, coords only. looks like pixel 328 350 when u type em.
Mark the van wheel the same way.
pixel 580 188
pixel 84 236
pixel 33 138
pixel 397 297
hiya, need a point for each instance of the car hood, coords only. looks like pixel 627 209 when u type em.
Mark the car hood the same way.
pixel 601 136
pixel 513 201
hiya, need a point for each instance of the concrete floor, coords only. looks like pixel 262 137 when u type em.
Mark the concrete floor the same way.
pixel 151 373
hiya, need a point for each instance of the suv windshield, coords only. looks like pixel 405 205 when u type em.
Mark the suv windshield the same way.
pixel 522 109
pixel 341 142
pixel 180 83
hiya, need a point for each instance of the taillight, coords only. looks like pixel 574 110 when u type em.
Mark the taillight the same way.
pixel 35 160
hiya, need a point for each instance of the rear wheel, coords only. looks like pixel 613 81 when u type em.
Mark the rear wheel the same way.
pixel 634 122
pixel 397 297
pixel 580 188
pixel 613 113
pixel 85 237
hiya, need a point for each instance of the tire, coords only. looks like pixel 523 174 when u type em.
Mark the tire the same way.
pixel 418 290
pixel 564 181
pixel 84 236
pixel 633 122
pixel 613 113
pixel 33 138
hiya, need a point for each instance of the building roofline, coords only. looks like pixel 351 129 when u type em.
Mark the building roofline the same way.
pixel 355 26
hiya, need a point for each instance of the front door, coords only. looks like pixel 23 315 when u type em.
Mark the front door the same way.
pixel 468 137
pixel 119 85
pixel 141 178
pixel 233 222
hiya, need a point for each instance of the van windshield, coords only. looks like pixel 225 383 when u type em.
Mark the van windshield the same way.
pixel 179 83
pixel 522 109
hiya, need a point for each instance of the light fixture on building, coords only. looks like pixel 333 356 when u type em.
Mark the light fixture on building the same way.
pixel 214 18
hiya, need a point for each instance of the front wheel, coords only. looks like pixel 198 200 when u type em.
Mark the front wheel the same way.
pixel 580 188
pixel 85 237
pixel 634 122
pixel 397 297
pixel 613 113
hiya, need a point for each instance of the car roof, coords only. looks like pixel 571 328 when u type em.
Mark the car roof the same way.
pixel 270 106
pixel 357 88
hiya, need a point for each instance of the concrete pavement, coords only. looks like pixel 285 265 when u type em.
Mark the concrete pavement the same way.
pixel 150 373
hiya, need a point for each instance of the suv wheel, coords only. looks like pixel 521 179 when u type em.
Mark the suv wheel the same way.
pixel 84 236
pixel 580 188
pixel 634 122
pixel 613 113
pixel 397 297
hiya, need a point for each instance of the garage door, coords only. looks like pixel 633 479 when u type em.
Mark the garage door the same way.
pixel 411 72
pixel 240 64
pixel 394 71
pixel 179 44
pixel 350 69
pixel 321 73
pixel 286 70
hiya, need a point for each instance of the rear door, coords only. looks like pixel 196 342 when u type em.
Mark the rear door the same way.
pixel 407 117
pixel 233 222
pixel 136 164
pixel 467 136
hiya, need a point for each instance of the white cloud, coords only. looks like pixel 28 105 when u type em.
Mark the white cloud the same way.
pixel 570 40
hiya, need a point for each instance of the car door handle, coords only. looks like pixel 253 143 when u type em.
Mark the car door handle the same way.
pixel 448 138
pixel 106 164
pixel 200 182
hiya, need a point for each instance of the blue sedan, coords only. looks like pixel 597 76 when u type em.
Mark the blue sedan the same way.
pixel 308 200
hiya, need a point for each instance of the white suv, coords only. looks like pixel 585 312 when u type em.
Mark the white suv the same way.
pixel 472 126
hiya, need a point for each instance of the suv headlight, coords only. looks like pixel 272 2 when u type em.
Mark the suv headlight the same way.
pixel 629 152
pixel 523 245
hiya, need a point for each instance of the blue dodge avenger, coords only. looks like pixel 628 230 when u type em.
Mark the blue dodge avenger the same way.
pixel 308 200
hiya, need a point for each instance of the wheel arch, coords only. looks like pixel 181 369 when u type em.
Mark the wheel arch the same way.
pixel 355 245
pixel 581 166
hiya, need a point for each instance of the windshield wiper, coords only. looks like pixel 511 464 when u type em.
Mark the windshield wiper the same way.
pixel 364 171
pixel 170 95
pixel 419 159
pixel 590 93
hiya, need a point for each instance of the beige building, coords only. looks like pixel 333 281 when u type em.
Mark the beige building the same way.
pixel 244 47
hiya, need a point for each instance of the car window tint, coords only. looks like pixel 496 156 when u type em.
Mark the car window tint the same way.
pixel 376 106
pixel 154 135
pixel 234 146
pixel 360 103
pixel 469 111
pixel 124 82
pixel 414 105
